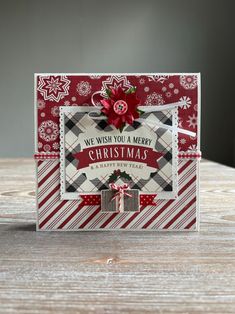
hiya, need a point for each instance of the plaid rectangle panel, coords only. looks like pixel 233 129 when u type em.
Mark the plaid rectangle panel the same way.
pixel 76 181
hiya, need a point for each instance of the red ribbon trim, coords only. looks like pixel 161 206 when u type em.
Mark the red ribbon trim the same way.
pixel 190 155
pixel 95 199
pixel 57 155
pixel 42 156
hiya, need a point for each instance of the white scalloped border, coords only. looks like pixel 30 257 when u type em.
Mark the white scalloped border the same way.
pixel 62 155
pixel 175 148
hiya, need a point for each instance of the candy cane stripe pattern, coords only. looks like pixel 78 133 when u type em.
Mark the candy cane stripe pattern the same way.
pixel 57 214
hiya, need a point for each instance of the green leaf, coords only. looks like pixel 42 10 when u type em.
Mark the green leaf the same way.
pixel 140 111
pixel 122 127
pixel 131 90
pixel 112 178
pixel 125 176
pixel 108 92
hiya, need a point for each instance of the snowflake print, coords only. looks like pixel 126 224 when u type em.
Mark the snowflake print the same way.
pixel 169 90
pixel 56 145
pixel 48 131
pixel 183 141
pixel 154 99
pixel 146 89
pixel 67 103
pixel 53 88
pixel 187 102
pixel 188 81
pixel 158 78
pixel 95 77
pixel 47 147
pixel 84 88
pixel 53 85
pixel 192 121
pixel 115 81
pixel 142 81
pixel 41 104
pixel 180 122
pixel 40 145
pixel 55 111
pixel 193 147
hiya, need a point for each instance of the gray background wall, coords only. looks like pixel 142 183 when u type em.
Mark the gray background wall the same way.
pixel 117 36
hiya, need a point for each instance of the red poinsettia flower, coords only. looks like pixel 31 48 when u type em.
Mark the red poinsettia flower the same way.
pixel 121 107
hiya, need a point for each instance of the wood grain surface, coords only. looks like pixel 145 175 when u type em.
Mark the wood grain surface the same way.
pixel 116 272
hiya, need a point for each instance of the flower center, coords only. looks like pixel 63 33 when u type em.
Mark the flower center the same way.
pixel 120 107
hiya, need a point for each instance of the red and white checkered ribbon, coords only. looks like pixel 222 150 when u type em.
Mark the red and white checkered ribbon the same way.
pixel 190 155
pixel 43 156
pixel 121 190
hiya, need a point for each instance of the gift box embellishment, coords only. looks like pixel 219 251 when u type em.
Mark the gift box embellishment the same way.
pixel 120 198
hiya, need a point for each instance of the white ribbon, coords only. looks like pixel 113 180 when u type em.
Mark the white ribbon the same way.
pixel 156 125
pixel 95 115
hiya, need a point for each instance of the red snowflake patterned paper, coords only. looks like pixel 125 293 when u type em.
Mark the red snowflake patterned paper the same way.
pixel 73 90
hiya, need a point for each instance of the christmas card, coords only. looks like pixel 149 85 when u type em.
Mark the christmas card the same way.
pixel 117 151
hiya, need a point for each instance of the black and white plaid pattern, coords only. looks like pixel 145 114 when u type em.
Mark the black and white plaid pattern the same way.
pixel 161 180
pixel 76 181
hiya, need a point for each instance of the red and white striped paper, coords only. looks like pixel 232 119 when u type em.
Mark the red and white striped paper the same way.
pixel 57 214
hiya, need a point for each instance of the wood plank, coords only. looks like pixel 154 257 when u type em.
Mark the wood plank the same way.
pixel 115 272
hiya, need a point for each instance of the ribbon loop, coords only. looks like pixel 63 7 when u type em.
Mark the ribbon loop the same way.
pixel 121 191
pixel 96 115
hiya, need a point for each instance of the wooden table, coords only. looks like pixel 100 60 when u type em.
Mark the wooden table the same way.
pixel 116 272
